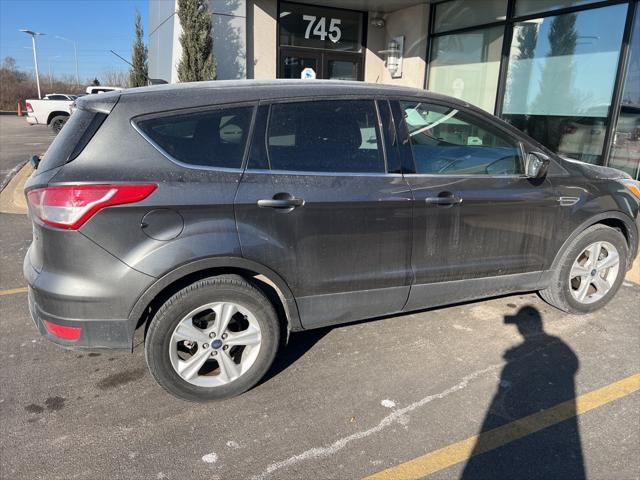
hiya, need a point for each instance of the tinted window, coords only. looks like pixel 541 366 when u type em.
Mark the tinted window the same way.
pixel 446 141
pixel 57 97
pixel 215 138
pixel 325 136
pixel 72 139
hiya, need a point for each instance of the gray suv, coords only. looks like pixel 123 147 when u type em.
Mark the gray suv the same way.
pixel 217 217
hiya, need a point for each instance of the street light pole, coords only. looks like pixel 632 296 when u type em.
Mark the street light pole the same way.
pixel 35 55
pixel 75 54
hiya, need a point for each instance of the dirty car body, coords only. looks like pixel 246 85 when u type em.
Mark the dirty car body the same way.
pixel 335 201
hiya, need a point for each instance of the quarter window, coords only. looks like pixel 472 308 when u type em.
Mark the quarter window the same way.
pixel 214 138
pixel 325 136
pixel 447 141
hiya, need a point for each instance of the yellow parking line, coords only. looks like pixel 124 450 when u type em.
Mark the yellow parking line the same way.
pixel 13 291
pixel 460 451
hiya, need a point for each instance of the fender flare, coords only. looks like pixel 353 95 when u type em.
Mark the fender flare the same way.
pixel 632 231
pixel 288 300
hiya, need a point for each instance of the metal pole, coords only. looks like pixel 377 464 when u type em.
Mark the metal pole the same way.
pixel 75 54
pixel 35 60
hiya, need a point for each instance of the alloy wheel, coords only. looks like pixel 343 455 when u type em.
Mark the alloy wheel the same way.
pixel 594 272
pixel 215 344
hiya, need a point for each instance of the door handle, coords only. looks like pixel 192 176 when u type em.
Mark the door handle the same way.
pixel 444 198
pixel 281 201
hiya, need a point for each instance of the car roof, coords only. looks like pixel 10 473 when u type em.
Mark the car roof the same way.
pixel 281 86
pixel 197 94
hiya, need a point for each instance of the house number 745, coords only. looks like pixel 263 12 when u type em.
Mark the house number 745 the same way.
pixel 334 33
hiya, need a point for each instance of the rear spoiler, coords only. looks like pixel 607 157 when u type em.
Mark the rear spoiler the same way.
pixel 102 103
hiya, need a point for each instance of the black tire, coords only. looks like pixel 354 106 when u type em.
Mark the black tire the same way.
pixel 58 122
pixel 229 288
pixel 558 293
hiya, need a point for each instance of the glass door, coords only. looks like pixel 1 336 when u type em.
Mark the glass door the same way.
pixel 293 61
pixel 342 67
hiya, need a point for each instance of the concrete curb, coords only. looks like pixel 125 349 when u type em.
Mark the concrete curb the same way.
pixel 7 178
pixel 12 199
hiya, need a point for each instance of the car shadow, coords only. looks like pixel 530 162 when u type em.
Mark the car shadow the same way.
pixel 299 343
pixel 539 374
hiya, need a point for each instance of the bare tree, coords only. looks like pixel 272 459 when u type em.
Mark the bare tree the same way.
pixel 115 78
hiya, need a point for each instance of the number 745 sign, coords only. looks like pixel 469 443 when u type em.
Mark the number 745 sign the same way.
pixel 334 33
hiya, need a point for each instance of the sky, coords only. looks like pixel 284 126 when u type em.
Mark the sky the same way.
pixel 96 26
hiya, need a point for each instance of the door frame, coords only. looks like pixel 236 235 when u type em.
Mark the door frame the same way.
pixel 298 50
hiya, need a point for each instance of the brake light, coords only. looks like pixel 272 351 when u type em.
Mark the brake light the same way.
pixel 70 206
pixel 62 331
pixel 29 107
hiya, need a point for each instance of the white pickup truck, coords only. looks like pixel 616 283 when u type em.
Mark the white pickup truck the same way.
pixel 54 109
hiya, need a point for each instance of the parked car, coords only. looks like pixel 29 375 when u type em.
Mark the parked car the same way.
pixel 217 217
pixel 52 110
pixel 93 89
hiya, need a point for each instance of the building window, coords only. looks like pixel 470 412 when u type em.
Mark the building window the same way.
pixel 625 152
pixel 456 14
pixel 561 76
pixel 527 7
pixel 328 41
pixel 323 28
pixel 467 66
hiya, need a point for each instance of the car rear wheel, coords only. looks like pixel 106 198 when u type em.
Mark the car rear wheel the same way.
pixel 590 271
pixel 58 122
pixel 212 340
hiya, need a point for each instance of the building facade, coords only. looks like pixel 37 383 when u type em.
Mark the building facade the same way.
pixel 567 72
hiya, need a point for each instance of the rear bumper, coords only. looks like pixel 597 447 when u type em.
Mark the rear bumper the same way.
pixel 88 289
pixel 111 334
pixel 32 120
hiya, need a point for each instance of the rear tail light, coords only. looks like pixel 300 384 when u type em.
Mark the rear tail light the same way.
pixel 70 206
pixel 29 107
pixel 62 331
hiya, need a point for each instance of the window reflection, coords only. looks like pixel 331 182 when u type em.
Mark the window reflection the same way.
pixel 625 153
pixel 561 76
pixel 467 65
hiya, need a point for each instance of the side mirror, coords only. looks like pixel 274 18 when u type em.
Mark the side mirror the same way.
pixel 537 165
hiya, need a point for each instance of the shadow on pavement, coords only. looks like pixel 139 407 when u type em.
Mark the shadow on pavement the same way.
pixel 540 373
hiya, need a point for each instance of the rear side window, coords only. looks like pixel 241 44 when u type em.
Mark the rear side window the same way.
pixel 325 136
pixel 447 141
pixel 73 137
pixel 212 138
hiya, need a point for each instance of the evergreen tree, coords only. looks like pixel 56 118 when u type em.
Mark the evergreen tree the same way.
pixel 139 73
pixel 95 82
pixel 197 62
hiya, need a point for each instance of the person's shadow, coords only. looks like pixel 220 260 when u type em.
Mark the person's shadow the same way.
pixel 539 374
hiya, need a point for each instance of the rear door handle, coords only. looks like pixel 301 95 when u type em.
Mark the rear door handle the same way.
pixel 283 203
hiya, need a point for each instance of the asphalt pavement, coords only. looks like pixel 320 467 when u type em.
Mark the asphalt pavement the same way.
pixel 503 388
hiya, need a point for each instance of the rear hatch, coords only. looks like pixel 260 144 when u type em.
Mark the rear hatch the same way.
pixel 72 139
pixel 78 131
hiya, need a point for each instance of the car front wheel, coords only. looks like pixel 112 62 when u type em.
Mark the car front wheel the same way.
pixel 590 271
pixel 212 340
